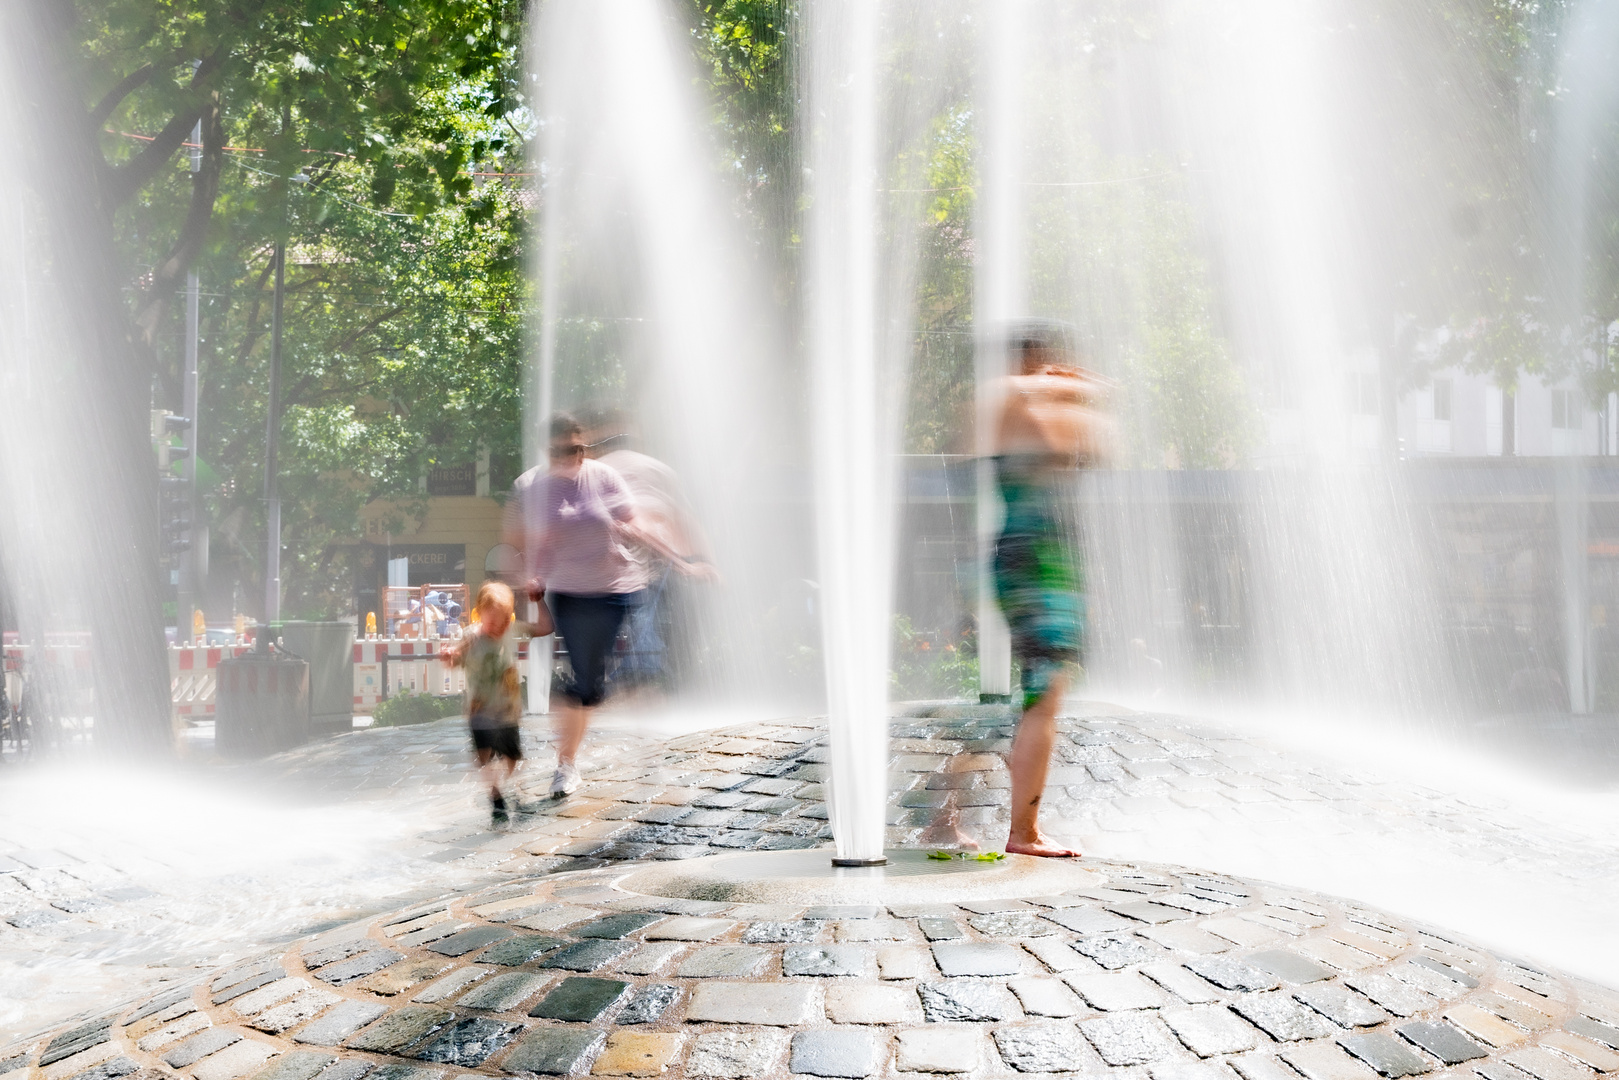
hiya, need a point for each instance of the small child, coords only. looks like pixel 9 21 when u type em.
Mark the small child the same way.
pixel 489 653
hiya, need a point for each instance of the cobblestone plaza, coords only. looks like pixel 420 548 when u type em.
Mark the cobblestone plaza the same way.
pixel 449 947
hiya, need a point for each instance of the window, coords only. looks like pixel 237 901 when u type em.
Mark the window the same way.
pixel 1441 399
pixel 1566 411
pixel 1363 393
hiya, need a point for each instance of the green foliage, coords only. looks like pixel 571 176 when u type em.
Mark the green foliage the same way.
pixel 923 666
pixel 407 707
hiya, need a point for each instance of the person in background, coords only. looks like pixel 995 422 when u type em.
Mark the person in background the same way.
pixel 488 652
pixel 1049 425
pixel 661 507
pixel 576 525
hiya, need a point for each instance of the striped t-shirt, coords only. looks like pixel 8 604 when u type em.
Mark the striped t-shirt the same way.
pixel 571 543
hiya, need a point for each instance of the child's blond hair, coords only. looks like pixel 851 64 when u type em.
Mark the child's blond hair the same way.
pixel 497 595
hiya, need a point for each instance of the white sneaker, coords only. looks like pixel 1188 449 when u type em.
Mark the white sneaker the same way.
pixel 565 782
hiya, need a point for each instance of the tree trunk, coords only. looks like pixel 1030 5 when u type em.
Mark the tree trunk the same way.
pixel 102 442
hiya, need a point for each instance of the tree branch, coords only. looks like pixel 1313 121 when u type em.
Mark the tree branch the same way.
pixel 120 185
pixel 204 190
pixel 115 97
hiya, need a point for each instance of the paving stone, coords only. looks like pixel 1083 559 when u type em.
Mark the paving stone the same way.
pixel 632 1053
pixel 1262 1067
pixel 1482 1025
pixel 266 996
pixel 554 1051
pixel 941 1050
pixel 1115 993
pixel 1043 996
pixel 1443 1041
pixel 332 953
pixel 1455 974
pixel 1388 1055
pixel 1207 1030
pixel 349 1069
pixel 339 1022
pixel 1594 1029
pixel 1542 1064
pixel 649 959
pixel 588 955
pixel 843 911
pixel 972 958
pixel 648 1004
pixel 469 1041
pixel 437 930
pixel 841 1052
pixel 519 950
pixel 1288 966
pixel 736 1055
pixel 1041 1047
pixel 297 1065
pixel 872 930
pixel 966 1000
pixel 358 967
pixel 1282 1017
pixel 1148 912
pixel 617 926
pixel 580 999
pixel 827 960
pixel 452 984
pixel 872 1003
pixel 467 940
pixel 1229 973
pixel 400 1028
pixel 289 1014
pixel 1184 938
pixel 1335 954
pixel 1087 920
pixel 162 1001
pixel 1525 1016
pixel 236 1060
pixel 689 929
pixel 107 1070
pixel 1326 1061
pixel 268 974
pixel 724 961
pixel 1114 953
pixel 1057 956
pixel 760 932
pixel 170 1033
pixel 1397 997
pixel 1132 1038
pixel 940 929
pixel 403 1072
pixel 905 962
pixel 1341 1005
pixel 555 917
pixel 770 1004
pixel 504 992
pixel 1018 924
pixel 198 1047
pixel 1599 1058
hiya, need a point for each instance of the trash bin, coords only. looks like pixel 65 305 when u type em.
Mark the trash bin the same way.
pixel 329 649
pixel 261 704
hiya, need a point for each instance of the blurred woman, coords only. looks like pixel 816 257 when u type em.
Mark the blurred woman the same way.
pixel 576 525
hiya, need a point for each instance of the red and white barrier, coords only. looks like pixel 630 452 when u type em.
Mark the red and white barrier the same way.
pixel 385 666
pixel 193 679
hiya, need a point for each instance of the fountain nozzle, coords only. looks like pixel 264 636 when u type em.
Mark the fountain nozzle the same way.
pixel 860 862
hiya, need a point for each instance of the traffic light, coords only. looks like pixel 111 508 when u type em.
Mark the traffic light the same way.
pixel 165 425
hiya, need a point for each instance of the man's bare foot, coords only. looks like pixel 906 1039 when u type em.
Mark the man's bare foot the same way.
pixel 1040 846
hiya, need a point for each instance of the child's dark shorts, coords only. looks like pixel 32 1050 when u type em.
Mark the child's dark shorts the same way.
pixel 502 741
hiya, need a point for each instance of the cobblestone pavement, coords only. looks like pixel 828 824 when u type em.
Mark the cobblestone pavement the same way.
pixel 108 918
pixel 1157 973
